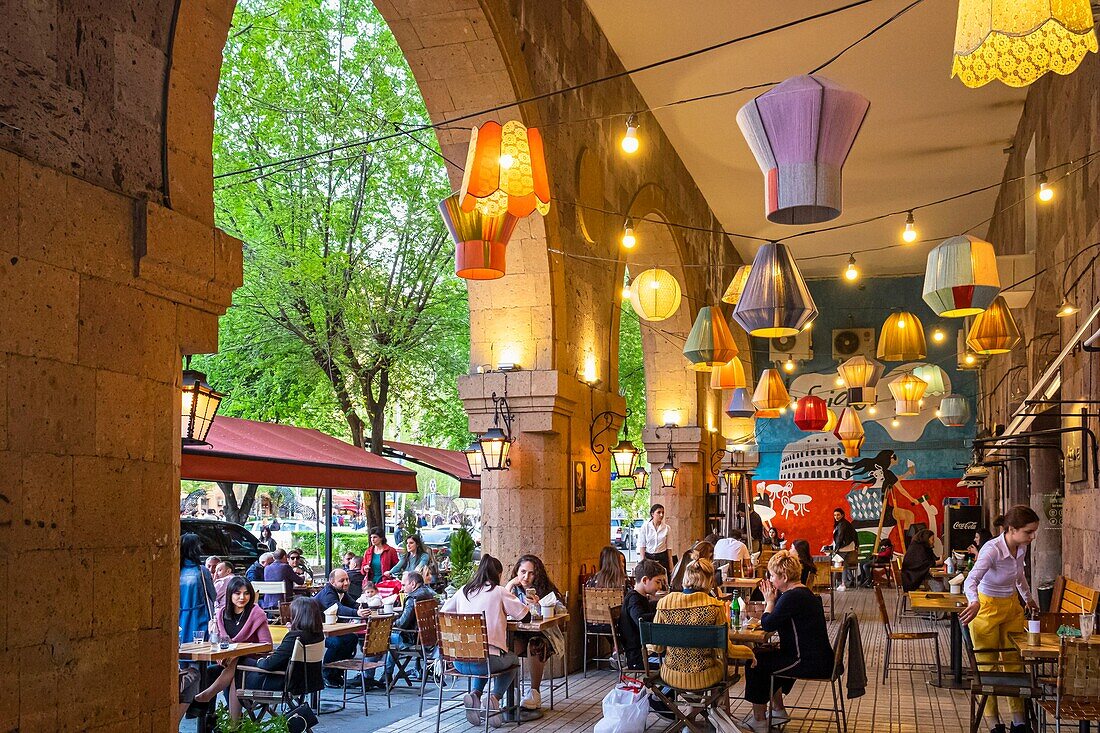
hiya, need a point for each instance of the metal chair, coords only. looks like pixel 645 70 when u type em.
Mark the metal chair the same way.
pixel 376 644
pixel 463 638
pixel 835 678
pixel 421 651
pixel 996 682
pixel 301 678
pixel 270 588
pixel 597 621
pixel 1077 691
pixel 892 636
pixel 694 665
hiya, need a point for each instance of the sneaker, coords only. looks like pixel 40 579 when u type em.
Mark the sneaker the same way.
pixel 533 700
pixel 472 703
pixel 495 718
pixel 840 589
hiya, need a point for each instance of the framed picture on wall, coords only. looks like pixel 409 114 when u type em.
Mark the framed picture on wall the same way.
pixel 580 486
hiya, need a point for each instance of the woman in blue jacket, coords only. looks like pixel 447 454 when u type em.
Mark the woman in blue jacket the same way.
pixel 196 589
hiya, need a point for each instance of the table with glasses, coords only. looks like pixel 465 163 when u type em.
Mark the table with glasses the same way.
pixel 203 653
pixel 1049 649
pixel 951 604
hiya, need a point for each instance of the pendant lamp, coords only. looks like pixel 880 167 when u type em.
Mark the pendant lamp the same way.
pixel 776 301
pixel 994 330
pixel 960 277
pixel 1017 41
pixel 740 405
pixel 852 446
pixel 480 240
pixel 654 294
pixel 730 375
pixel 907 391
pixel 709 343
pixel 505 171
pixel 737 285
pixel 902 338
pixel 811 413
pixel 800 133
pixel 954 411
pixel 199 406
pixel 830 423
pixel 640 476
pixel 850 432
pixel 861 376
pixel 934 377
pixel 771 393
pixel 767 414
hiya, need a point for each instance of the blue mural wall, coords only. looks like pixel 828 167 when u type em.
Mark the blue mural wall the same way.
pixel 932 447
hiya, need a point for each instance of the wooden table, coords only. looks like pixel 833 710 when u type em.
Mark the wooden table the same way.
pixel 539 624
pixel 1049 649
pixel 342 628
pixel 205 653
pixel 749 584
pixel 535 625
pixel 951 603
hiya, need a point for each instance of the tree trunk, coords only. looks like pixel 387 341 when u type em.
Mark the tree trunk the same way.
pixel 376 406
pixel 237 512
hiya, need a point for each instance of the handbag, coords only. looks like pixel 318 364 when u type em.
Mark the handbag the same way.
pixel 301 719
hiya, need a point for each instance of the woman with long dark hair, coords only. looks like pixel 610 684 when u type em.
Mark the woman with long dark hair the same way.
pixel 307 626
pixel 197 593
pixel 809 568
pixel 416 554
pixel 920 558
pixel 379 558
pixel 485 595
pixel 612 571
pixel 267 539
pixel 866 471
pixel 531 582
pixel 240 621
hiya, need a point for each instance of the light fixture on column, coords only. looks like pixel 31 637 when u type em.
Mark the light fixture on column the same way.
pixel 902 338
pixel 860 375
pixel 199 406
pixel 909 234
pixel 495 442
pixel 668 469
pixel 776 301
pixel 640 476
pixel 907 391
pixel 960 277
pixel 994 330
pixel 1045 192
pixel 473 458
pixel 1066 308
pixel 709 343
pixel 629 143
pixel 628 240
pixel 623 454
pixel 505 171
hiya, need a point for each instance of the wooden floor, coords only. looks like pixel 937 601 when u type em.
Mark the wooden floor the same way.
pixel 905 703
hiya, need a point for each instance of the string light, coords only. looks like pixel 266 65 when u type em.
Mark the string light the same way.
pixel 872 410
pixel 851 273
pixel 895 423
pixel 938 335
pixel 629 142
pixel 788 365
pixel 839 381
pixel 910 234
pixel 626 292
pixel 970 358
pixel 1046 193
pixel 629 240
pixel 1066 308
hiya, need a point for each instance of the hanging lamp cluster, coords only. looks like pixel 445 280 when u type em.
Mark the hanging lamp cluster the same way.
pixel 710 342
pixel 907 391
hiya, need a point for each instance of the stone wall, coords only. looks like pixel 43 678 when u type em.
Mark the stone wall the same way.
pixel 1060 122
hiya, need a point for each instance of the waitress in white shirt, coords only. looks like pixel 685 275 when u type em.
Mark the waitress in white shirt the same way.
pixel 653 543
pixel 994 611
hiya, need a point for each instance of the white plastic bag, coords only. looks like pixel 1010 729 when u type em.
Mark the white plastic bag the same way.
pixel 625 709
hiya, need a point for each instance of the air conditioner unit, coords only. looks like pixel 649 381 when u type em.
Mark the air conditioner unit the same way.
pixel 849 342
pixel 797 347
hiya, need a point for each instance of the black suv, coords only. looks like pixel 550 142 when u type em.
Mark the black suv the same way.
pixel 231 542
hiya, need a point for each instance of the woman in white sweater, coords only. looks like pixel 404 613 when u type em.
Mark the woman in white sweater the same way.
pixel 485 595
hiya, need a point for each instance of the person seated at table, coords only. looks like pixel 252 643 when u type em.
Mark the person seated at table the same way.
pixel 306 626
pixel 337 648
pixel 639 604
pixel 404 634
pixel 369 593
pixel 612 571
pixel 733 549
pixel 796 614
pixel 196 589
pixel 695 606
pixel 347 559
pixel 427 572
pixel 416 554
pixel 379 558
pixel 486 596
pixel 222 574
pixel 880 559
pixel 279 571
pixel 355 577
pixel 982 536
pixel 256 570
pixel 241 621
pixel 299 565
pixel 916 568
pixel 212 563
pixel 773 540
pixel 530 582
pixel 806 560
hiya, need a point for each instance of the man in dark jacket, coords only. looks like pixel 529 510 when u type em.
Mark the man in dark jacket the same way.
pixel 279 570
pixel 256 570
pixel 845 544
pixel 335 593
pixel 639 604
pixel 403 635
pixel 355 577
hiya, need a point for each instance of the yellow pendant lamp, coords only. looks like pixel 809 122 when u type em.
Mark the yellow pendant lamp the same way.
pixel 737 285
pixel 850 431
pixel 771 393
pixel 860 375
pixel 994 330
pixel 655 295
pixel 907 391
pixel 902 338
pixel 505 171
pixel 730 375
pixel 1017 41
pixel 710 342
pixel 830 425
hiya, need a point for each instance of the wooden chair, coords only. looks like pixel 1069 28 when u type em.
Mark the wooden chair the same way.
pixel 996 682
pixel 1069 596
pixel 421 651
pixel 835 678
pixel 892 636
pixel 301 679
pixel 620 662
pixel 1050 622
pixel 597 621
pixel 463 638
pixel 900 597
pixel 1077 691
pixel 376 644
pixel 685 648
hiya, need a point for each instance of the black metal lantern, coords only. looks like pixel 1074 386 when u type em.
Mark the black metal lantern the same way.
pixel 473 458
pixel 668 469
pixel 199 406
pixel 640 477
pixel 624 454
pixel 495 443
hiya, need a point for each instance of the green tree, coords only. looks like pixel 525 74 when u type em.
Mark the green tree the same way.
pixel 632 386
pixel 348 279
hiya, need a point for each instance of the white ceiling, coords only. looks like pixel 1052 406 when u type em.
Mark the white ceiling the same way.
pixel 926 135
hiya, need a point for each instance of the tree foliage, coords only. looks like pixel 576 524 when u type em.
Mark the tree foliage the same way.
pixel 632 386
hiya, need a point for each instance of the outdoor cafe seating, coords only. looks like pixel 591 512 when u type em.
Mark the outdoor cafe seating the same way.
pixel 301 679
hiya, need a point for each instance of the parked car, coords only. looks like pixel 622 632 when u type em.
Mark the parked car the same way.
pixel 438 538
pixel 284 536
pixel 620 533
pixel 231 542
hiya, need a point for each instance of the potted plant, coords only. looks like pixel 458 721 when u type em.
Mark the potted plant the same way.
pixel 462 557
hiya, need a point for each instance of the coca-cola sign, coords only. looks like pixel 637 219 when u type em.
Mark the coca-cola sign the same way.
pixel 964 526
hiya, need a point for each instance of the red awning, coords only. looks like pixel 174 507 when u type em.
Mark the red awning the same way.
pixel 247 451
pixel 451 462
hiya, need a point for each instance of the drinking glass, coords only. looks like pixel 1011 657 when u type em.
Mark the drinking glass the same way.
pixel 1088 625
pixel 199 637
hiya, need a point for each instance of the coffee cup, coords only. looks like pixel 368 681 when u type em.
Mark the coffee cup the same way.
pixel 547 611
pixel 330 618
pixel 1034 638
pixel 387 605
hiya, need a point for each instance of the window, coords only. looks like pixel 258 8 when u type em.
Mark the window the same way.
pixel 240 542
pixel 210 537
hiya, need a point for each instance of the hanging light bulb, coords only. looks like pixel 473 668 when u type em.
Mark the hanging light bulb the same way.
pixel 872 410
pixel 788 365
pixel 1046 193
pixel 910 234
pixel 626 292
pixel 629 240
pixel 851 272
pixel 938 335
pixel 839 381
pixel 629 142
pixel 1066 308
pixel 970 358
pixel 895 423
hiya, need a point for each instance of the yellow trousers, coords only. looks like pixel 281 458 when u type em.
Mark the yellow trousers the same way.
pixel 996 618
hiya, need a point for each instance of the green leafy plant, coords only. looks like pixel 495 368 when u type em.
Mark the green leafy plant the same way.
pixel 408 523
pixel 276 724
pixel 342 542
pixel 462 556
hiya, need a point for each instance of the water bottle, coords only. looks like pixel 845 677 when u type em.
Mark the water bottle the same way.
pixel 735 611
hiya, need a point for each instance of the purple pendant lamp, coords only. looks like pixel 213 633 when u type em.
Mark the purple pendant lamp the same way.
pixel 801 132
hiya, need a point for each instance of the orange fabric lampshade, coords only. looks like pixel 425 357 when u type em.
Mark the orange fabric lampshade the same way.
pixel 505 171
pixel 994 330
